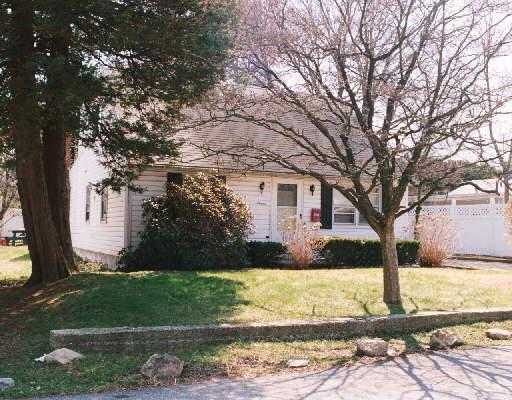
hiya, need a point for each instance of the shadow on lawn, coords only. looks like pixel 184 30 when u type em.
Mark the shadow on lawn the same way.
pixel 24 257
pixel 113 299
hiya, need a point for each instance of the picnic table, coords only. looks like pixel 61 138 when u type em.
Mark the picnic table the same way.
pixel 17 235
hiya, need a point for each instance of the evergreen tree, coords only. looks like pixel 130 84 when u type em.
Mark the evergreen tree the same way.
pixel 109 75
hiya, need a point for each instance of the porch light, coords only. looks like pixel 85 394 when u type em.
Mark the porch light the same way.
pixel 262 187
pixel 312 189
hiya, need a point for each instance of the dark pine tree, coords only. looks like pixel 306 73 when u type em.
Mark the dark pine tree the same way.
pixel 109 75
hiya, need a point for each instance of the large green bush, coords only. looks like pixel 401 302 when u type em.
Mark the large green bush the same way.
pixel 359 252
pixel 201 224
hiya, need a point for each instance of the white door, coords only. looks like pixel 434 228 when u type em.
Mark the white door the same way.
pixel 287 202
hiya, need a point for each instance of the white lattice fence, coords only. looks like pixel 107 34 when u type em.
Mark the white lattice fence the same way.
pixel 480 227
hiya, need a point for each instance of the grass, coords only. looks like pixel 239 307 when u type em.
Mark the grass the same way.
pixel 104 299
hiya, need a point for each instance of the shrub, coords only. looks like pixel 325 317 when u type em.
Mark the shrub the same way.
pixel 301 241
pixel 437 238
pixel 365 253
pixel 263 254
pixel 200 224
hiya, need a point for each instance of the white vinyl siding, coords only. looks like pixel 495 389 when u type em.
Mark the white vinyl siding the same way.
pixel 93 235
pixel 94 239
pixel 153 182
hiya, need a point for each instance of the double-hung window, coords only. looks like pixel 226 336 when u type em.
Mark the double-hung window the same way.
pixel 344 213
pixel 88 203
pixel 104 205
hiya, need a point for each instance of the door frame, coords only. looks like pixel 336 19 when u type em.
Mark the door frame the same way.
pixel 274 232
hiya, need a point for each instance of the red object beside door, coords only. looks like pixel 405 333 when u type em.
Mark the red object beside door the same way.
pixel 315 215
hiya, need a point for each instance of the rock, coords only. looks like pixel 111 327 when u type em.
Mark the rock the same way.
pixel 6 383
pixel 62 356
pixel 443 339
pixel 298 363
pixel 162 366
pixel 498 334
pixel 372 347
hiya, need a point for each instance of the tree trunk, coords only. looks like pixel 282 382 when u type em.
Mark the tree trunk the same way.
pixel 57 132
pixel 56 145
pixel 390 263
pixel 48 260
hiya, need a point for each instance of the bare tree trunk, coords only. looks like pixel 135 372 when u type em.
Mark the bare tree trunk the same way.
pixel 56 145
pixel 390 263
pixel 56 134
pixel 48 260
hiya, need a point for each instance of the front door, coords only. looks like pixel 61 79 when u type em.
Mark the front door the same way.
pixel 287 203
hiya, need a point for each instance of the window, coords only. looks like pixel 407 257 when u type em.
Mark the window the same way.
pixel 87 203
pixel 375 199
pixel 345 213
pixel 104 205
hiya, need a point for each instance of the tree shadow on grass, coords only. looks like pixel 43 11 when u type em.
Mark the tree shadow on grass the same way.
pixel 113 299
pixel 24 257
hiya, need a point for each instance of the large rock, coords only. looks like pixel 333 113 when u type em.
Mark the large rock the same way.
pixel 443 339
pixel 6 383
pixel 62 356
pixel 372 347
pixel 297 363
pixel 162 366
pixel 498 334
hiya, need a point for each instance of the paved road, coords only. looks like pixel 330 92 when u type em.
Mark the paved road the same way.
pixel 484 373
pixel 490 265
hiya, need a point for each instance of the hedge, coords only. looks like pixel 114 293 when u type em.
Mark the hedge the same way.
pixel 337 252
pixel 264 254
pixel 359 252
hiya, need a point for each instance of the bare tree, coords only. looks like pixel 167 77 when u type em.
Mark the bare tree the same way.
pixel 391 86
pixel 501 138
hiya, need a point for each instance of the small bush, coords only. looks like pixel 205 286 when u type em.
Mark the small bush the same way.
pixel 264 254
pixel 438 240
pixel 201 224
pixel 365 253
pixel 301 241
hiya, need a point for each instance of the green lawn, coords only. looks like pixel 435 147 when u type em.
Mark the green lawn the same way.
pixel 114 299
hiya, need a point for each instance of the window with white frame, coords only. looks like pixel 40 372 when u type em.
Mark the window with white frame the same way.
pixel 104 205
pixel 88 203
pixel 345 213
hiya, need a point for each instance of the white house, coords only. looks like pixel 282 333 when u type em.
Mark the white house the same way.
pixel 102 225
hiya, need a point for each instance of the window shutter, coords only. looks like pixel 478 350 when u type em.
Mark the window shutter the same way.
pixel 175 177
pixel 326 206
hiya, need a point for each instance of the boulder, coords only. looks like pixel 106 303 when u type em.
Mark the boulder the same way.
pixel 298 363
pixel 162 366
pixel 498 334
pixel 6 383
pixel 62 356
pixel 443 339
pixel 372 347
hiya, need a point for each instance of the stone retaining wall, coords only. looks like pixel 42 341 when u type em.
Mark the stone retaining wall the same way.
pixel 171 337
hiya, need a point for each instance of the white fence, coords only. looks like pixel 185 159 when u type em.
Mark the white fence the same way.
pixel 480 227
